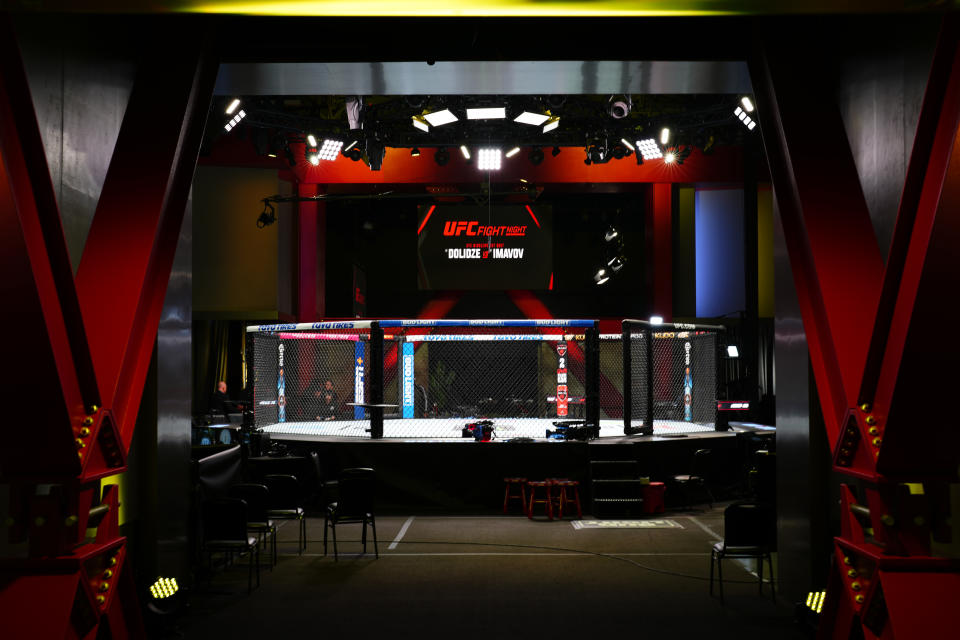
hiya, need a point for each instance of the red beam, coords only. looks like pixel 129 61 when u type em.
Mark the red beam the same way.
pixel 126 263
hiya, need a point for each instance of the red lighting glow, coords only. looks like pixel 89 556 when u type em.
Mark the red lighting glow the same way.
pixel 425 218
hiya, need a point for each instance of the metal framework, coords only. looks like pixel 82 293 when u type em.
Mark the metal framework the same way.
pixel 83 346
pixel 879 369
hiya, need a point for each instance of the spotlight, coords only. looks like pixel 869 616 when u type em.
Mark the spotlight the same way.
pixel 439 118
pixel 354 154
pixel 619 106
pixel 616 263
pixel 601 276
pixel 745 101
pixel 420 123
pixel 529 117
pixel 649 149
pixel 164 588
pixel 670 157
pixel 536 156
pixel 233 106
pixel 330 149
pixel 656 319
pixel 620 150
pixel 555 152
pixel 747 121
pixel 415 152
pixel 627 144
pixel 512 152
pixel 441 157
pixel 351 145
pixel 311 140
pixel 611 234
pixel 597 154
pixel 664 135
pixel 235 120
pixel 486 113
pixel 732 351
pixel 268 216
pixel 465 151
pixel 489 159
pixel 552 124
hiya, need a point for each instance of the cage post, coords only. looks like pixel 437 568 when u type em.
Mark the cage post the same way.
pixel 627 381
pixel 376 381
pixel 647 428
pixel 592 376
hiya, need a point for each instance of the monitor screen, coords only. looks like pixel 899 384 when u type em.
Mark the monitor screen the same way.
pixel 480 247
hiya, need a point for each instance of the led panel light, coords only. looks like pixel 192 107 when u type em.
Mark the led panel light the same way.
pixel 627 144
pixel 550 126
pixel 656 319
pixel 529 117
pixel 465 151
pixel 489 159
pixel 440 118
pixel 732 351
pixel 747 104
pixel 311 140
pixel 486 113
pixel 664 135
pixel 350 146
pixel 233 106
pixel 649 149
pixel 512 152
pixel 751 125
pixel 420 124
pixel 330 149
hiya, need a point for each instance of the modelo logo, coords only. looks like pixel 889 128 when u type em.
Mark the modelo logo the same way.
pixel 474 228
pixel 280 350
pixel 686 350
pixel 408 380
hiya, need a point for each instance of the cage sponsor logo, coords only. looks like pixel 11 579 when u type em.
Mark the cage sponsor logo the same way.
pixel 474 228
pixel 358 381
pixel 561 348
pixel 275 327
pixel 408 380
pixel 484 254
pixel 680 325
pixel 332 325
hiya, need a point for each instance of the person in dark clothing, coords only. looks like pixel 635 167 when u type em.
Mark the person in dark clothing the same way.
pixel 220 402
pixel 326 402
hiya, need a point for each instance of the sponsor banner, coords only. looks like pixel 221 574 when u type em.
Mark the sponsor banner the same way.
pixel 483 338
pixel 306 335
pixel 486 323
pixel 687 385
pixel 562 399
pixel 351 324
pixel 408 380
pixel 358 365
pixel 281 387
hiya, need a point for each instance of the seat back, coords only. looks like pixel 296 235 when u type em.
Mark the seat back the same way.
pixel 703 464
pixel 285 492
pixel 257 497
pixel 357 492
pixel 224 519
pixel 747 524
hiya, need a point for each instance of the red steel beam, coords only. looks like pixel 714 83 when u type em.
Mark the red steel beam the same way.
pixel 122 278
pixel 835 258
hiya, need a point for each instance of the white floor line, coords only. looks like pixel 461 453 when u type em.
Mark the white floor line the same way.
pixel 713 534
pixel 400 534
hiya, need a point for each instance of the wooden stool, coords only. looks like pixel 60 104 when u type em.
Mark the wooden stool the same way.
pixel 562 495
pixel 508 495
pixel 547 497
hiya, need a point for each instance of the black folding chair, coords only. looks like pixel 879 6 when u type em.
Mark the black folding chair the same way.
pixel 354 504
pixel 748 532
pixel 257 497
pixel 286 503
pixel 699 477
pixel 225 529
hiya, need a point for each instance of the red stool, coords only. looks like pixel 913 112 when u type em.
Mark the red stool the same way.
pixel 653 497
pixel 563 495
pixel 521 496
pixel 547 498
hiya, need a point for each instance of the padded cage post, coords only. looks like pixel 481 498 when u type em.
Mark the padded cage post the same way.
pixel 592 376
pixel 376 381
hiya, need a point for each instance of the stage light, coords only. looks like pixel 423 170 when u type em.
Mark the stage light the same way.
pixel 615 264
pixel 235 120
pixel 664 135
pixel 465 151
pixel 732 351
pixel 353 154
pixel 311 140
pixel 670 157
pixel 350 146
pixel 649 149
pixel 536 156
pixel 440 118
pixel 441 157
pixel 627 144
pixel 610 234
pixel 751 125
pixel 747 104
pixel 489 159
pixel 555 152
pixel 268 216
pixel 596 154
pixel 419 123
pixel 512 152
pixel 486 113
pixel 552 124
pixel 314 159
pixel 415 153
pixel 619 106
pixel 330 149
pixel 601 276
pixel 233 106
pixel 164 588
pixel 531 118
pixel 656 319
